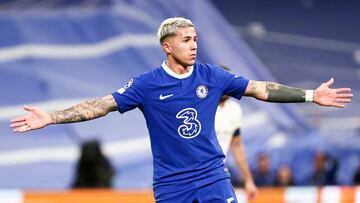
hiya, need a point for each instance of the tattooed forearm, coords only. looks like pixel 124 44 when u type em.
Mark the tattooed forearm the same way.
pixel 284 94
pixel 86 110
pixel 252 87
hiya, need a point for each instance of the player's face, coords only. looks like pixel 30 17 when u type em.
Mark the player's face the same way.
pixel 183 46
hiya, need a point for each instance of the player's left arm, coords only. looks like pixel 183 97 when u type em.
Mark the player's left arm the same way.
pixel 239 154
pixel 323 95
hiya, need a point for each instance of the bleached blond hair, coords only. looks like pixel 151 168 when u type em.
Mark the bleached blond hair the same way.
pixel 169 26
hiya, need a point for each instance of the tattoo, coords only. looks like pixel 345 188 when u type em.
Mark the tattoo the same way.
pixel 284 94
pixel 252 87
pixel 86 110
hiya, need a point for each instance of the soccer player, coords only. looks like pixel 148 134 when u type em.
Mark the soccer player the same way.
pixel 228 122
pixel 179 101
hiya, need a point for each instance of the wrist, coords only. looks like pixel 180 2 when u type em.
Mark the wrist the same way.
pixel 309 95
pixel 51 118
pixel 248 181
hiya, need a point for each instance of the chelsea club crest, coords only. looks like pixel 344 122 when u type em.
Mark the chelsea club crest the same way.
pixel 202 91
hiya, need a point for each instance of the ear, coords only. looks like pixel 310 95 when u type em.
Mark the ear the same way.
pixel 166 47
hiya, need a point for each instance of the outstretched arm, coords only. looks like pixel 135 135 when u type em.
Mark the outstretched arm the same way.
pixel 323 95
pixel 83 111
pixel 238 152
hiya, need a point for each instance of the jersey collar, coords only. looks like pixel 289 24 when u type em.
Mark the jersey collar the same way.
pixel 175 75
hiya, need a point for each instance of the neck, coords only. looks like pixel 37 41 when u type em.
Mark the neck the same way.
pixel 177 67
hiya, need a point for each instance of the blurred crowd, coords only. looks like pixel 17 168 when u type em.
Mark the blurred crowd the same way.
pixel 324 170
pixel 94 170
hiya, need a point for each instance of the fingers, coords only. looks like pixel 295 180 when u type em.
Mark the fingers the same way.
pixel 338 105
pixel 343 100
pixel 251 195
pixel 340 101
pixel 344 96
pixel 20 126
pixel 251 190
pixel 22 129
pixel 343 90
pixel 17 124
pixel 330 82
pixel 18 119
pixel 28 108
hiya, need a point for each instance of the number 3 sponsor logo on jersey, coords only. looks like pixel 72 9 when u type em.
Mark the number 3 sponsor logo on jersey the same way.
pixel 191 127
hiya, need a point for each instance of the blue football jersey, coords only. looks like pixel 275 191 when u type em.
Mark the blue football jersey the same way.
pixel 180 112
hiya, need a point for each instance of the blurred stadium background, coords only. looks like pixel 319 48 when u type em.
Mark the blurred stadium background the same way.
pixel 55 53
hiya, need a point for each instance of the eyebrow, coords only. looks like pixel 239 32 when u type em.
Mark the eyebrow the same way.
pixel 185 37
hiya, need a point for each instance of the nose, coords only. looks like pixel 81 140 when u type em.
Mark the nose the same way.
pixel 194 45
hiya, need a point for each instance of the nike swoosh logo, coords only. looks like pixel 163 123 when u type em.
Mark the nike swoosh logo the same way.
pixel 161 97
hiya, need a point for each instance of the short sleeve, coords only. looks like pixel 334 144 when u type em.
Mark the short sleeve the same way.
pixel 231 84
pixel 130 96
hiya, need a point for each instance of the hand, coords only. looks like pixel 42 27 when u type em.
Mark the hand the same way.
pixel 35 120
pixel 250 189
pixel 326 96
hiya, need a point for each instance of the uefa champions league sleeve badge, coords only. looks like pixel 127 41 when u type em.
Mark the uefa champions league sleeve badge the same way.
pixel 128 84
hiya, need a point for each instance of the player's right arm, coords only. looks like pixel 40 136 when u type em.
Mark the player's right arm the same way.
pixel 86 110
